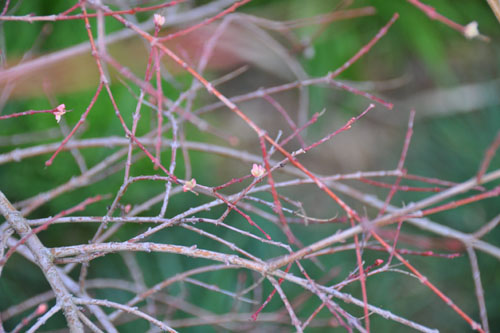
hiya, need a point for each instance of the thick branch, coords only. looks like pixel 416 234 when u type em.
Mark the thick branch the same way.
pixel 43 259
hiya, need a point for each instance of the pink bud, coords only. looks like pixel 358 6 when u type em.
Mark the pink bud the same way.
pixel 257 170
pixel 189 185
pixel 471 31
pixel 41 309
pixel 159 20
pixel 59 111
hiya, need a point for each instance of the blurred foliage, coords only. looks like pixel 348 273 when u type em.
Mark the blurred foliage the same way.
pixel 450 147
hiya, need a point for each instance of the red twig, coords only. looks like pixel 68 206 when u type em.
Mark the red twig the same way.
pixel 395 242
pixel 159 100
pixel 395 187
pixel 70 9
pixel 398 187
pixel 78 124
pixel 361 93
pixel 454 204
pixel 207 21
pixel 31 112
pixel 435 181
pixel 311 121
pixel 5 8
pixel 40 310
pixel 285 115
pixel 434 15
pixel 424 280
pixel 490 153
pixel 277 203
pixel 428 253
pixel 270 297
pixel 365 48
pixel 417 253
pixel 347 126
pixel 231 182
pixel 401 162
pixel 248 218
pixel 325 301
